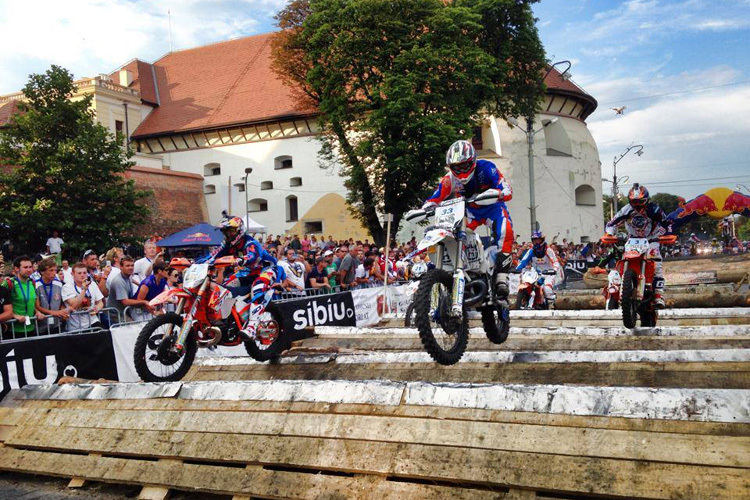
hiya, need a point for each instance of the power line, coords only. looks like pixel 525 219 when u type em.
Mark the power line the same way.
pixel 708 179
pixel 686 167
pixel 678 92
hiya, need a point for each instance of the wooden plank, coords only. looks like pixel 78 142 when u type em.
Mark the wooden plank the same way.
pixel 253 482
pixel 732 451
pixel 411 411
pixel 687 375
pixel 79 482
pixel 152 492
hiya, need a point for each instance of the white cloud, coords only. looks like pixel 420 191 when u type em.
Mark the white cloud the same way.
pixel 95 36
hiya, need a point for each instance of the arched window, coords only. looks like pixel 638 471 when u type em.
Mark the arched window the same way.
pixel 266 185
pixel 210 169
pixel 257 205
pixel 291 209
pixel 209 189
pixel 556 138
pixel 282 162
pixel 295 182
pixel 585 195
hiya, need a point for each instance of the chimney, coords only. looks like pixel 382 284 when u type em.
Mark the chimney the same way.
pixel 126 77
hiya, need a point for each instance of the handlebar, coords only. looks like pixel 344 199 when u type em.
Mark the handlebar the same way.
pixel 181 263
pixel 666 239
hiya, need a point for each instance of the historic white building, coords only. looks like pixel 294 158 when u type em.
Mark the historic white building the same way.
pixel 219 109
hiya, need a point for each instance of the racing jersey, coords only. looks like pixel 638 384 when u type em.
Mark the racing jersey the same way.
pixel 486 176
pixel 254 255
pixel 545 263
pixel 638 225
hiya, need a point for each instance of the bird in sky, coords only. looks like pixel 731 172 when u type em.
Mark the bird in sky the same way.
pixel 620 110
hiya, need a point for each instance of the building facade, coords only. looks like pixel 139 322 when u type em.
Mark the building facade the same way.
pixel 218 111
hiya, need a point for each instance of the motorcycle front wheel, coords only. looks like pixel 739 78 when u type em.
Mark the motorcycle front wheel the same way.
pixel 444 337
pixel 270 340
pixel 628 299
pixel 162 365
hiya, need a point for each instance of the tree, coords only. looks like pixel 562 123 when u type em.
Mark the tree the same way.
pixel 395 82
pixel 64 171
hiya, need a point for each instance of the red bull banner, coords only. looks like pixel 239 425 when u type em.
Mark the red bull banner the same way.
pixel 716 203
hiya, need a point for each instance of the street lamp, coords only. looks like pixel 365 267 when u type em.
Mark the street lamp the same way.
pixel 530 133
pixel 248 171
pixel 565 75
pixel 639 152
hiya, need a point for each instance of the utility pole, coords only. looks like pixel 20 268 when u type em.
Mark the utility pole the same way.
pixel 532 196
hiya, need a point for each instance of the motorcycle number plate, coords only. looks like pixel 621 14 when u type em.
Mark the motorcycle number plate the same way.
pixel 448 215
pixel 639 245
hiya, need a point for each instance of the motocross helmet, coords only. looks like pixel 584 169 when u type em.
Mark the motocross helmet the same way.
pixel 461 159
pixel 638 197
pixel 538 244
pixel 233 229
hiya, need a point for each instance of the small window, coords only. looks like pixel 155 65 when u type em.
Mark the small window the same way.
pixel 266 185
pixel 556 138
pixel 291 209
pixel 585 195
pixel 240 187
pixel 119 126
pixel 281 162
pixel 257 205
pixel 209 189
pixel 210 169
pixel 295 182
pixel 314 227
pixel 585 239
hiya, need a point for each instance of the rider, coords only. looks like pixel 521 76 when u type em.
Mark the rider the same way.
pixel 544 258
pixel 468 176
pixel 644 219
pixel 257 268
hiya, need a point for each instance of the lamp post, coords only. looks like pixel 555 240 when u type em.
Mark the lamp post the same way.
pixel 530 133
pixel 639 152
pixel 248 171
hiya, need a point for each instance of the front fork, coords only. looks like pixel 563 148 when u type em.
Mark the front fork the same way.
pixel 187 323
pixel 641 288
pixel 459 277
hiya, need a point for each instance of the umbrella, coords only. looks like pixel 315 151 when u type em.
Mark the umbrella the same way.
pixel 199 235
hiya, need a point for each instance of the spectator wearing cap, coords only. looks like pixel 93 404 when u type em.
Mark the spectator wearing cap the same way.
pixel 84 299
pixel 318 276
pixel 96 276
pixel 331 268
pixel 49 297
pixel 122 293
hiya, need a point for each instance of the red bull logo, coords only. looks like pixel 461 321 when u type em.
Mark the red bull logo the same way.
pixel 700 205
pixel 197 237
pixel 737 203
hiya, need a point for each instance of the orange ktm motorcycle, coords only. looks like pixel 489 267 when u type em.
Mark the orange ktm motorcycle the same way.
pixel 637 287
pixel 207 315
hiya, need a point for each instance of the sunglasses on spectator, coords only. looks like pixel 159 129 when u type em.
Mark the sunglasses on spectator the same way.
pixel 87 253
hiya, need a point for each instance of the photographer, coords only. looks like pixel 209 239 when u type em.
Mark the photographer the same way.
pixel 83 298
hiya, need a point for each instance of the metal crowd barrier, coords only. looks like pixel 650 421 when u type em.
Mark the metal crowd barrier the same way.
pixel 14 330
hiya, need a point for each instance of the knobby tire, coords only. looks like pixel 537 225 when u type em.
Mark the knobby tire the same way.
pixel 141 344
pixel 628 299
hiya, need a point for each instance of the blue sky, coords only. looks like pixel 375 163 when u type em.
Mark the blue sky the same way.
pixel 623 53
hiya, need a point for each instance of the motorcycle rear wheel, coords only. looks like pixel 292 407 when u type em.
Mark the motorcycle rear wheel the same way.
pixel 453 333
pixel 522 299
pixel 495 327
pixel 145 353
pixel 628 299
pixel 409 318
pixel 273 330
pixel 612 304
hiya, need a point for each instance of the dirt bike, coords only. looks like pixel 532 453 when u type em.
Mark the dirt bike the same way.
pixel 207 315
pixel 530 293
pixel 637 288
pixel 460 281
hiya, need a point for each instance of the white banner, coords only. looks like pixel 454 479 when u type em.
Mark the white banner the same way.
pixel 366 305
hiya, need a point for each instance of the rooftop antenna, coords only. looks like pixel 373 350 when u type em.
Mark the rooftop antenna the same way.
pixel 169 20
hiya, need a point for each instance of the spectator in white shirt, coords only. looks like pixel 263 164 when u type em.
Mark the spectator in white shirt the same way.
pixel 295 267
pixel 67 272
pixel 84 299
pixel 143 266
pixel 54 246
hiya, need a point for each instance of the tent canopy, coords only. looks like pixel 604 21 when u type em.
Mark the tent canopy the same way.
pixel 253 227
pixel 199 235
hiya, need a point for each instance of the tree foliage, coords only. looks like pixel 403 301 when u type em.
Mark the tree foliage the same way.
pixel 395 82
pixel 64 171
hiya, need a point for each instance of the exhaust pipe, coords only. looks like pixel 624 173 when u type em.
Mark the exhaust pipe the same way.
pixel 475 292
pixel 216 331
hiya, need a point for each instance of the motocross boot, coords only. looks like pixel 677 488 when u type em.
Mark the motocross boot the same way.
pixel 248 332
pixel 503 262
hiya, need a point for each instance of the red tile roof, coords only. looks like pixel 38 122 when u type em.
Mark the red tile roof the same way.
pixel 229 83
pixel 217 85
pixel 8 109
